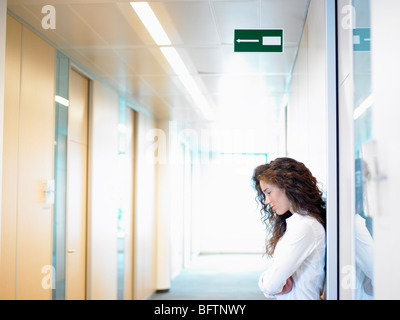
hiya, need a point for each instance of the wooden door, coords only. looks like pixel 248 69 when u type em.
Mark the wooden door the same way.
pixel 76 211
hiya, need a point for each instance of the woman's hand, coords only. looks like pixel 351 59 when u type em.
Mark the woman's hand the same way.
pixel 368 286
pixel 287 287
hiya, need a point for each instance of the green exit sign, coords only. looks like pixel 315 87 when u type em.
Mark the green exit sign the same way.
pixel 258 40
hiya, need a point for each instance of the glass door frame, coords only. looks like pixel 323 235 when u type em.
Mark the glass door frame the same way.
pixel 332 205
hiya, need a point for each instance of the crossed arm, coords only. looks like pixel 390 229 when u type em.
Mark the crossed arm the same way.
pixel 289 255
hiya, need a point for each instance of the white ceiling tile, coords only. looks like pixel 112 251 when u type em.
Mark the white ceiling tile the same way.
pixel 194 22
pixel 231 15
pixel 165 85
pixel 212 83
pixel 70 26
pixel 184 114
pixel 207 59
pixel 141 60
pixel 107 60
pixel 107 38
pixel 286 14
pixel 136 85
pixel 106 20
pixel 82 60
pixel 179 102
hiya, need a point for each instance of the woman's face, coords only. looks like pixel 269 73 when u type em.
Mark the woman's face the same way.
pixel 275 197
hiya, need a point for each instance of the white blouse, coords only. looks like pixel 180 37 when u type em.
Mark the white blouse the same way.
pixel 299 253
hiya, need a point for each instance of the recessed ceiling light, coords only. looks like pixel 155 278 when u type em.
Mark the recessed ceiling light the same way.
pixel 151 23
pixel 174 60
pixel 154 27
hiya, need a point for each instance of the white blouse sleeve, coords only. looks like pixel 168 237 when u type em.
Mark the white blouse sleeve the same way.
pixel 295 248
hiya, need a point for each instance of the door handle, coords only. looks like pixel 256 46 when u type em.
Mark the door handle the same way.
pixel 49 188
pixel 71 251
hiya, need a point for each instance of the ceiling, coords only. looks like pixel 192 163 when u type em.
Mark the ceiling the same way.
pixel 108 38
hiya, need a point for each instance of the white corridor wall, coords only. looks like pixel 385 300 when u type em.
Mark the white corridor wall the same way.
pixel 307 107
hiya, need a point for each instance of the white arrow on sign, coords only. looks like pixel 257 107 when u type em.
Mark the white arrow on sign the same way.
pixel 248 40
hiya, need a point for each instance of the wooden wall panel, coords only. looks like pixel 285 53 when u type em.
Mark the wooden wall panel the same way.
pixel 28 164
pixel 36 152
pixel 10 159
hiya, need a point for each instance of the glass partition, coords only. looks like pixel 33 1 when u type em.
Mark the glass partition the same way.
pixel 122 210
pixel 60 175
pixel 362 117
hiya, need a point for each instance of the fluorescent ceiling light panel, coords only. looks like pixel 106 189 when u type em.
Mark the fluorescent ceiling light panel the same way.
pixel 187 80
pixel 198 97
pixel 175 60
pixel 151 23
pixel 154 27
pixel 190 85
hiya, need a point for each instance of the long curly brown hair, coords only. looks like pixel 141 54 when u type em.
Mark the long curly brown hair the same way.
pixel 301 189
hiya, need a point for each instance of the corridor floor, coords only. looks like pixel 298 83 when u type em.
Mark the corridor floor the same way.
pixel 218 277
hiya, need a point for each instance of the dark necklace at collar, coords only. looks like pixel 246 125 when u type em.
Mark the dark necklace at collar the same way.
pixel 286 215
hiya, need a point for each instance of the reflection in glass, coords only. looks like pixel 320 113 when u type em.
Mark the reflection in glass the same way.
pixel 363 103
pixel 363 235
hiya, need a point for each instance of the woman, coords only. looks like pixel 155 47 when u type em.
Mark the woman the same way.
pixel 294 212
